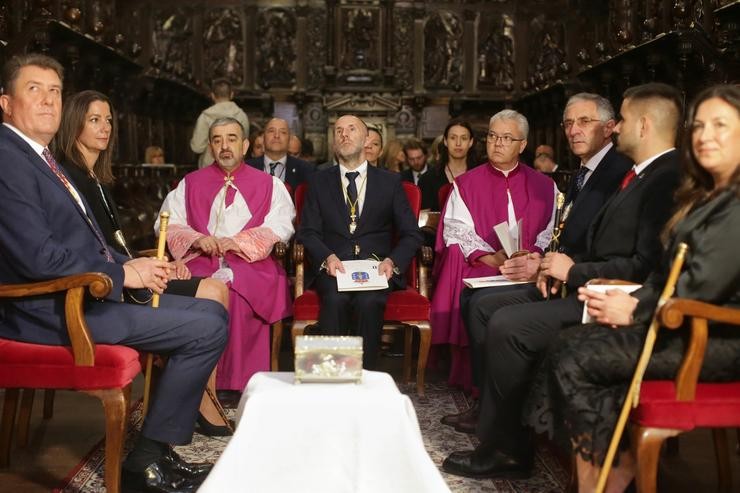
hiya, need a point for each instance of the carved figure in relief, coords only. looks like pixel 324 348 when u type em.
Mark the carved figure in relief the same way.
pixel 222 39
pixel 360 36
pixel 443 64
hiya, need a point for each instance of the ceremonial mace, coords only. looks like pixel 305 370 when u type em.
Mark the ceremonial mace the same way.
pixel 164 219
pixel 633 393
pixel 556 231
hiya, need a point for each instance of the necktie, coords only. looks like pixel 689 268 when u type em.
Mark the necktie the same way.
pixel 627 179
pixel 52 163
pixel 581 178
pixel 272 168
pixel 352 189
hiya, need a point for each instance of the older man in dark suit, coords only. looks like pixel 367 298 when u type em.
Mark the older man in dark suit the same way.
pixel 622 242
pixel 351 212
pixel 276 160
pixel 46 232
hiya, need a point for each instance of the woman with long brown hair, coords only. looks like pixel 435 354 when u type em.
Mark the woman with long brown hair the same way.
pixel 578 392
pixel 84 145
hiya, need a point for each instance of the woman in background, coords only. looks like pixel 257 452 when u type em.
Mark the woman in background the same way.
pixel 154 155
pixel 394 159
pixel 373 146
pixel 455 158
pixel 84 147
pixel 579 390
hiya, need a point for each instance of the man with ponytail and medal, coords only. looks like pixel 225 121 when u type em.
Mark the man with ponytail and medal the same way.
pixel 224 221
pixel 351 212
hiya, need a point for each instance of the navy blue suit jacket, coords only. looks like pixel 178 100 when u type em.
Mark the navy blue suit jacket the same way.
pixel 324 227
pixel 600 186
pixel 297 170
pixel 43 235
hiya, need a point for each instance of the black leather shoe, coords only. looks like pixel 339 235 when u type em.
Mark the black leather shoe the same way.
pixel 465 421
pixel 190 470
pixel 207 428
pixel 495 464
pixel 157 477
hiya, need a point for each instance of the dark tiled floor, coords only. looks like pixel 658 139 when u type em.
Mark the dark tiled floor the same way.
pixel 58 445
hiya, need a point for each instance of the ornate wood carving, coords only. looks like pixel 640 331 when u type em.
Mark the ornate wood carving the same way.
pixel 276 51
pixel 443 51
pixel 547 62
pixel 359 48
pixel 316 49
pixel 402 47
pixel 100 20
pixel 496 55
pixel 223 45
pixel 172 40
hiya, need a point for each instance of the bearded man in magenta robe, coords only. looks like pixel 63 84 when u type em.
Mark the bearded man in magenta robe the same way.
pixel 504 190
pixel 224 221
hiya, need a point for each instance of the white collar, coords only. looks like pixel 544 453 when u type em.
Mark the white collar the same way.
pixel 639 168
pixel 592 163
pixel 362 169
pixel 38 148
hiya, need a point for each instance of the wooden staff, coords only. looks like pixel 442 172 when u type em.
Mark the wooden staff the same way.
pixel 164 219
pixel 633 393
pixel 556 231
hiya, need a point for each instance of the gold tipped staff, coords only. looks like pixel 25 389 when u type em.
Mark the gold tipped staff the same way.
pixel 633 393
pixel 164 219
pixel 556 231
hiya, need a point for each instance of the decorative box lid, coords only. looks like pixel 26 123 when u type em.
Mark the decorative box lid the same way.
pixel 330 343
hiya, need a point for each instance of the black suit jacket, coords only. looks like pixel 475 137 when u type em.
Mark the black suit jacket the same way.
pixel 624 239
pixel 324 227
pixel 407 175
pixel 297 170
pixel 600 186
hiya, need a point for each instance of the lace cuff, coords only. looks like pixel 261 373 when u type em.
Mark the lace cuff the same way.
pixel 462 234
pixel 180 239
pixel 256 243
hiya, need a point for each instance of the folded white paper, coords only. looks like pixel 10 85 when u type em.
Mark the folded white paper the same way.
pixel 603 288
pixel 360 275
pixel 490 282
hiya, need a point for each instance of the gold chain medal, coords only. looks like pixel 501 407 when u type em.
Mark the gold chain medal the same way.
pixel 352 219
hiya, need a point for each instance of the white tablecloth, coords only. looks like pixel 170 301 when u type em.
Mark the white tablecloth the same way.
pixel 324 438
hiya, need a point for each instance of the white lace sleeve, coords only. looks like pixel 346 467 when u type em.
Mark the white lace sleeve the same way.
pixel 545 236
pixel 459 227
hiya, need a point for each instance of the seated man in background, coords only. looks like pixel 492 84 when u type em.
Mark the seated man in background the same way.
pixel 276 160
pixel 416 158
pixel 351 212
pixel 47 232
pixel 503 191
pixel 224 221
pixel 544 159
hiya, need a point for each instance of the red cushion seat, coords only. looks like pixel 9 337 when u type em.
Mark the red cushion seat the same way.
pixel 403 305
pixel 26 365
pixel 717 405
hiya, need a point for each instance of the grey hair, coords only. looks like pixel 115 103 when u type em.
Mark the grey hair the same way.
pixel 520 120
pixel 224 120
pixel 603 107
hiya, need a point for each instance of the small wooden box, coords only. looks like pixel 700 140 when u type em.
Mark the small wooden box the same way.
pixel 328 359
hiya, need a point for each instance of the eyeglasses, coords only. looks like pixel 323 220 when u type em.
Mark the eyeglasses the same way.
pixel 582 122
pixel 505 139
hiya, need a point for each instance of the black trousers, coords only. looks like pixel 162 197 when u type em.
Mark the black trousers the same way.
pixel 478 306
pixel 191 332
pixel 352 313
pixel 516 337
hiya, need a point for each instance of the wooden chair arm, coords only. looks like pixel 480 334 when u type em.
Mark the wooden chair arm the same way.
pixel 149 252
pixel 280 250
pixel 300 268
pixel 99 285
pixel 671 315
pixel 675 309
pixel 426 256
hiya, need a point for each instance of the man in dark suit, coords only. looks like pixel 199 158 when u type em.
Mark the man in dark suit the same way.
pixel 352 212
pixel 276 160
pixel 622 242
pixel 46 232
pixel 416 157
pixel 588 122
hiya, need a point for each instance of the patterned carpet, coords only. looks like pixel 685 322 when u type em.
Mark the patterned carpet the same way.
pixel 440 440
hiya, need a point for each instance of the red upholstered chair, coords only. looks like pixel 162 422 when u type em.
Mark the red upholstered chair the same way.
pixel 443 193
pixel 667 408
pixel 408 308
pixel 105 371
